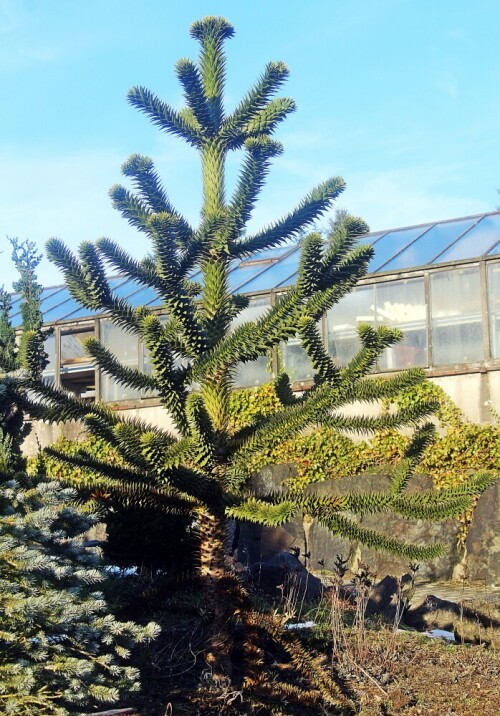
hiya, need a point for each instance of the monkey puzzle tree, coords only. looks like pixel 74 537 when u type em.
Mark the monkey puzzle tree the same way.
pixel 200 468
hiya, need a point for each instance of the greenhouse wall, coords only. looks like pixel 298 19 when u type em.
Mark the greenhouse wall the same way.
pixel 449 318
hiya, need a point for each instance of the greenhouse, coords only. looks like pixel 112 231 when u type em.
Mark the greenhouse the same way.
pixel 439 283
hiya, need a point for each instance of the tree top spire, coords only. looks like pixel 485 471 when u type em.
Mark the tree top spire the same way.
pixel 211 27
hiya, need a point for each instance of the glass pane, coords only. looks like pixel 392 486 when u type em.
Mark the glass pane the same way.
pixel 49 297
pixel 135 293
pixel 144 296
pixel 288 281
pixel 495 249
pixel 494 308
pixel 16 319
pixel 47 292
pixel 72 350
pixel 123 287
pixel 372 238
pixel 65 309
pixel 147 368
pixel 120 342
pixel 76 313
pixel 49 372
pixel 125 347
pixel 112 391
pixel 239 272
pixel 401 304
pixel 268 276
pixel 15 299
pixel 276 252
pixel 391 243
pixel 55 297
pixel 296 362
pixel 457 334
pixel 254 372
pixel 56 304
pixel 117 281
pixel 343 320
pixel 479 240
pixel 429 244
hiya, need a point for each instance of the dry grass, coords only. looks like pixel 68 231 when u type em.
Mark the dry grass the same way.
pixel 393 672
pixel 424 676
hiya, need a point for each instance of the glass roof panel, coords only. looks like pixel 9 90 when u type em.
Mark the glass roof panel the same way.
pixel 127 288
pixel 60 296
pixel 144 296
pixel 243 269
pixel 427 246
pixel 372 238
pixel 290 279
pixel 391 243
pixel 476 242
pixel 271 275
pixel 395 249
pixel 264 262
pixel 495 249
pixel 60 305
pixel 238 274
pixel 267 254
pixel 16 297
pixel 57 298
pixel 68 308
pixel 195 276
pixel 80 312
pixel 46 293
pixel 116 281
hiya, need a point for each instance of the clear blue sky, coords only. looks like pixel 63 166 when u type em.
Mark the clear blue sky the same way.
pixel 399 97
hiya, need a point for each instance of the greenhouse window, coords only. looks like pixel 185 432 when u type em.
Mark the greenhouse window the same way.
pixel 456 317
pixel 77 372
pixel 494 308
pixel 255 372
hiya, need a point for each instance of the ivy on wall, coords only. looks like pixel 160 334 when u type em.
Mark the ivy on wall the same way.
pixel 460 447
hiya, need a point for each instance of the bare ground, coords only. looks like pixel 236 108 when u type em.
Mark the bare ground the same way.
pixel 388 674
pixel 409 674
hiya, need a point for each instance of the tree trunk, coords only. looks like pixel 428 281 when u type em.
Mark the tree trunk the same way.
pixel 220 596
pixel 236 629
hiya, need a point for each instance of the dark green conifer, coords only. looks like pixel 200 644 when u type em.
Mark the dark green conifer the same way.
pixel 200 468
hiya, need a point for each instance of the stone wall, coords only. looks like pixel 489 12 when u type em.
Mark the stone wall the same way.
pixel 480 560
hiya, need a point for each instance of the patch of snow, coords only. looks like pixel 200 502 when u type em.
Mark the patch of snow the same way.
pixel 300 625
pixel 119 572
pixel 440 634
